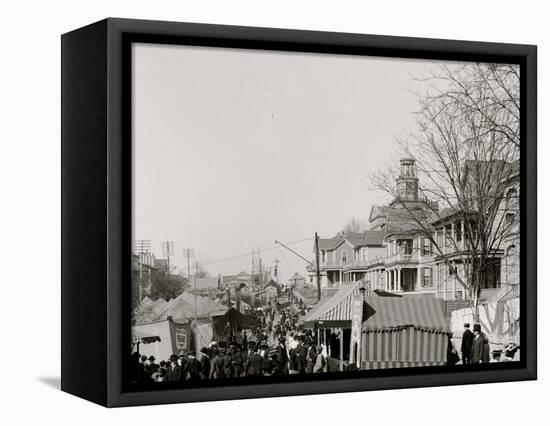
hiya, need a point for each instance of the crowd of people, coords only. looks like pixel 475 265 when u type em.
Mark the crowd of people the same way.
pixel 278 346
pixel 296 355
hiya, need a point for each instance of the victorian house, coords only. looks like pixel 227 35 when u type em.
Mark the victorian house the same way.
pixel 397 254
pixel 346 257
pixel 408 264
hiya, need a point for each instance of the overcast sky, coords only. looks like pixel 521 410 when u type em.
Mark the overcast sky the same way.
pixel 233 149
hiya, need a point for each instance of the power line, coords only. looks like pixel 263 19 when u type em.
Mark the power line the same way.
pixel 250 254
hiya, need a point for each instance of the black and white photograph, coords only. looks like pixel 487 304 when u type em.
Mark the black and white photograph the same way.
pixel 303 212
pixel 299 214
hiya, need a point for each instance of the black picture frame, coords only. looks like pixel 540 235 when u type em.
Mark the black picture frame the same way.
pixel 96 215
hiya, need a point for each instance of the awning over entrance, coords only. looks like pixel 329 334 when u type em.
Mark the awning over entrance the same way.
pixel 334 312
pixel 389 313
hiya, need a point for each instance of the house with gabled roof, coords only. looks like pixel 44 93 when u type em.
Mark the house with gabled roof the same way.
pixel 346 256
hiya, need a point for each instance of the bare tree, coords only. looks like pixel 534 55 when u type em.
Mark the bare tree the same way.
pixel 466 148
pixel 354 225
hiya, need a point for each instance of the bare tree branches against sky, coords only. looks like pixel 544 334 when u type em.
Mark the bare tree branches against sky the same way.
pixel 233 149
pixel 466 147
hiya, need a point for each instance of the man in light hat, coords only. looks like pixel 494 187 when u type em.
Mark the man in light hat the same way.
pixel 320 361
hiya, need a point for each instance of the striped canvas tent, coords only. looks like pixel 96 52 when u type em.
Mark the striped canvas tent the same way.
pixel 335 311
pixel 403 332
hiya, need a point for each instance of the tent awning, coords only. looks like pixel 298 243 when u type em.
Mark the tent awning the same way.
pixel 237 320
pixel 387 313
pixel 335 309
pixel 145 338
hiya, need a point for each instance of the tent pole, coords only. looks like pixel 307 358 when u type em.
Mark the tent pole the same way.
pixel 341 349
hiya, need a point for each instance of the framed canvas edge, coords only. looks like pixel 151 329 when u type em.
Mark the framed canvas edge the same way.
pixel 525 55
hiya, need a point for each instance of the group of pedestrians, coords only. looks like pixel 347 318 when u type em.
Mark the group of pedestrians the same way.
pixel 475 349
pixel 296 355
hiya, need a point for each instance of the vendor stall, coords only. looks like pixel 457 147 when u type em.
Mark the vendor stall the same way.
pixel 333 315
pixel 402 332
pixel 231 324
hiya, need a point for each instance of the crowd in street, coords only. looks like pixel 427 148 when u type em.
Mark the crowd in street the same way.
pixel 278 346
pixel 296 355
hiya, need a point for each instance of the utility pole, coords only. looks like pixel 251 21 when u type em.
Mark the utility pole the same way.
pixel 167 251
pixel 260 281
pixel 188 252
pixel 276 261
pixel 317 270
pixel 142 247
pixel 316 265
pixel 252 269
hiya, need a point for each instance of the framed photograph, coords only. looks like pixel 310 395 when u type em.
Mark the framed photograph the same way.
pixel 256 212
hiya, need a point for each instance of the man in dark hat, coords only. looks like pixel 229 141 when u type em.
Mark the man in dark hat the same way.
pixel 150 368
pixel 466 345
pixel 205 364
pixel 227 367
pixel 480 346
pixel 218 371
pixel 301 355
pixel 237 360
pixel 135 368
pixel 193 367
pixel 282 355
pixel 253 365
pixel 173 373
pixel 182 362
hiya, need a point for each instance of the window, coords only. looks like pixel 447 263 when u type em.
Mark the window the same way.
pixel 344 256
pixel 426 246
pixel 324 256
pixel 458 231
pixel 509 218
pixel 426 277
pixel 181 338
pixel 365 255
pixel 405 246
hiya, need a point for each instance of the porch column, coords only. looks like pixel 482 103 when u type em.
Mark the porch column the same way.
pixel 419 277
pixel 454 280
pixel 453 235
pixel 445 279
pixel 340 277
pixel 399 284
